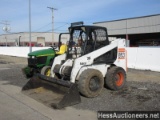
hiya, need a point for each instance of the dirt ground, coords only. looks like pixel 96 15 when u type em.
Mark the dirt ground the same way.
pixel 12 60
pixel 141 93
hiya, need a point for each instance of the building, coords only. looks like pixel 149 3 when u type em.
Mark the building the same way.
pixel 141 31
pixel 37 39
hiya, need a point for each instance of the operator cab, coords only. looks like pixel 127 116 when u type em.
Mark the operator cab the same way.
pixel 85 39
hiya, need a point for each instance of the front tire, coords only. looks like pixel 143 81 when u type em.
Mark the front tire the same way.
pixel 91 83
pixel 46 70
pixel 115 78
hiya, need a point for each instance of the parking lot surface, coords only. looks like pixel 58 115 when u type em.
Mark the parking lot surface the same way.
pixel 142 93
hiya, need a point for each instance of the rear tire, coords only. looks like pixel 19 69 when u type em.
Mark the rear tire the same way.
pixel 91 83
pixel 115 78
pixel 46 70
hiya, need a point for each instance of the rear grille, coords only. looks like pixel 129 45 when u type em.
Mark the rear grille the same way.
pixel 38 60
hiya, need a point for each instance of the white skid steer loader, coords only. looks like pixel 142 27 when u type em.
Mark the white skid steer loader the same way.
pixel 91 62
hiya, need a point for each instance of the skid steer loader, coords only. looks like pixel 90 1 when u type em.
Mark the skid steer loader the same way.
pixel 91 62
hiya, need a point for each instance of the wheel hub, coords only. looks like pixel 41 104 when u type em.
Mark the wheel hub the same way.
pixel 119 78
pixel 94 84
pixel 48 72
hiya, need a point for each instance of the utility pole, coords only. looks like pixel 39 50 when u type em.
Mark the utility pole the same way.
pixel 127 35
pixel 5 22
pixel 52 9
pixel 6 28
pixel 30 47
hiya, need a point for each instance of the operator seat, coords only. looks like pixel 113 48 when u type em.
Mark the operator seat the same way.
pixel 62 50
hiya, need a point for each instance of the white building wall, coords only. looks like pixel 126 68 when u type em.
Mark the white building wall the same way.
pixel 146 24
pixel 25 37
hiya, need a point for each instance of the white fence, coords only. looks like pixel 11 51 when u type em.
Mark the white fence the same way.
pixel 18 51
pixel 138 58
pixel 144 58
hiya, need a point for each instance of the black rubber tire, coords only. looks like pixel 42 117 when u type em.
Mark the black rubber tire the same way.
pixel 115 78
pixel 84 83
pixel 56 69
pixel 45 69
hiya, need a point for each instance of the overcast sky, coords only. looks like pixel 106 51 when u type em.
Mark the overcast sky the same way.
pixel 89 11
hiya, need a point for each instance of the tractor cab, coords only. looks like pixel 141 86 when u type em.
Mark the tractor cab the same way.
pixel 85 39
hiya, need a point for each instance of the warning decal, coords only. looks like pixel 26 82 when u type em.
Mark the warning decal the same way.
pixel 121 53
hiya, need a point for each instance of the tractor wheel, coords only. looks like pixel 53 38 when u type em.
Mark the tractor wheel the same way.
pixel 46 70
pixel 115 78
pixel 91 83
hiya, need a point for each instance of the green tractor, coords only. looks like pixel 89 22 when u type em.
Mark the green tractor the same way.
pixel 40 61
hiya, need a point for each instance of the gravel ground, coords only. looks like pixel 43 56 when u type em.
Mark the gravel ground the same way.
pixel 141 93
pixel 12 60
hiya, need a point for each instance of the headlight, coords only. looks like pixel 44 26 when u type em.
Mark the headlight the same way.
pixel 33 57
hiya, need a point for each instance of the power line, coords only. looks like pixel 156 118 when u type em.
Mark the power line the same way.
pixel 6 29
pixel 47 25
pixel 42 32
pixel 61 26
pixel 5 22
pixel 42 27
pixel 51 29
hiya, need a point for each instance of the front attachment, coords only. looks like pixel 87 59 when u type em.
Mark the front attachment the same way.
pixel 27 71
pixel 52 92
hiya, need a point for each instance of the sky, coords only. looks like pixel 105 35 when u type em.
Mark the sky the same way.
pixel 16 12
